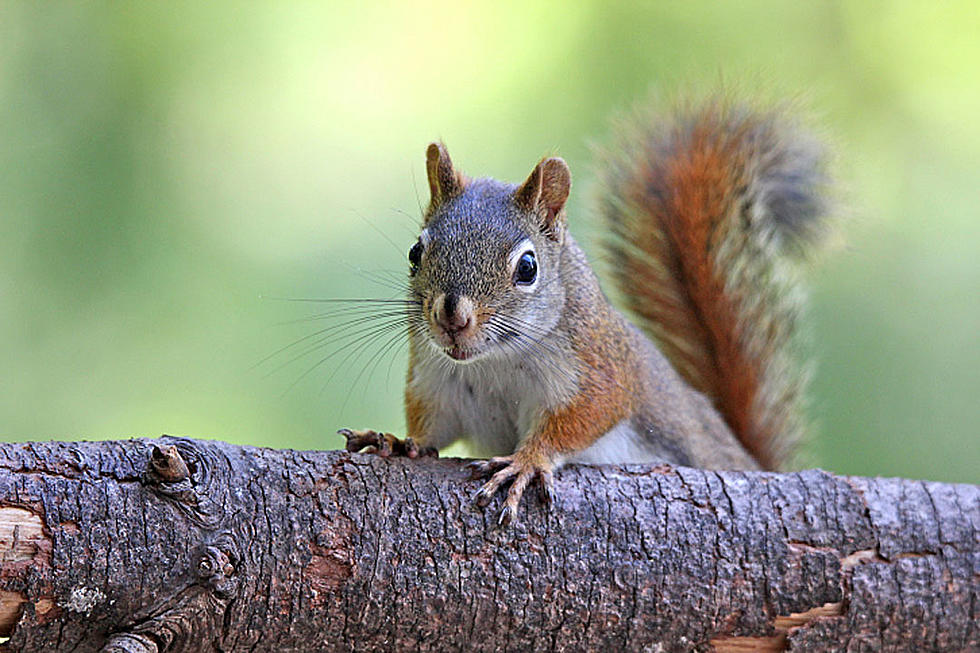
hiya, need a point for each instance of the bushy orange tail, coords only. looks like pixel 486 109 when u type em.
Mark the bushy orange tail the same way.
pixel 705 210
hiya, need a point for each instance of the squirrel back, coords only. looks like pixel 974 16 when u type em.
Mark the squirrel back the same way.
pixel 708 209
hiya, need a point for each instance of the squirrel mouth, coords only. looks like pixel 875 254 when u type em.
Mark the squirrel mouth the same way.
pixel 458 354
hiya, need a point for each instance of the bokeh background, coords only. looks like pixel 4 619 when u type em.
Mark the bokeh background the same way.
pixel 169 170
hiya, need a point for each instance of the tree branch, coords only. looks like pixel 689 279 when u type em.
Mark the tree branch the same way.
pixel 206 546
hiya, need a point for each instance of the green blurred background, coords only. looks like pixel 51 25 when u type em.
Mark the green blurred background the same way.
pixel 169 168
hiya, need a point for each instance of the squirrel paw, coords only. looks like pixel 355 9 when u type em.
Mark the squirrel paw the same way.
pixel 384 444
pixel 507 468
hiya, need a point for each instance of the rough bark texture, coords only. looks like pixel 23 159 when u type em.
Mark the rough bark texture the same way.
pixel 117 546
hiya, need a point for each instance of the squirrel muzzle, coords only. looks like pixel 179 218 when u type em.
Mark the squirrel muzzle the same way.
pixel 453 324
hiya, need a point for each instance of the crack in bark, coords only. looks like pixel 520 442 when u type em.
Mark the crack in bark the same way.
pixel 783 626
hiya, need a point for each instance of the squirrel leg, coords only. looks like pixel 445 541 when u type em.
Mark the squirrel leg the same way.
pixel 422 440
pixel 520 470
pixel 384 444
pixel 570 429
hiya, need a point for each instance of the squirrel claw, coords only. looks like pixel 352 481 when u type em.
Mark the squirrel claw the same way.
pixel 506 516
pixel 384 444
pixel 484 468
pixel 546 488
pixel 411 450
pixel 476 469
pixel 481 498
pixel 357 440
pixel 505 469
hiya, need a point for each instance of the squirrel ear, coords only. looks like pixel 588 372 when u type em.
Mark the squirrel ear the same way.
pixel 545 192
pixel 444 182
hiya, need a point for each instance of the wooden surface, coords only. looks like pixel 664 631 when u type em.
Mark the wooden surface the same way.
pixel 209 546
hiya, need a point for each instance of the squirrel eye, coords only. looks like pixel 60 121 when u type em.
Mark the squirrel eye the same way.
pixel 415 257
pixel 527 269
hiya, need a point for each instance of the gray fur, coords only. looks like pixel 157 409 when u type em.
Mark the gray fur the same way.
pixel 496 400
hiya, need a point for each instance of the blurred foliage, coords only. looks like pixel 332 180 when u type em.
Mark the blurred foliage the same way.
pixel 169 168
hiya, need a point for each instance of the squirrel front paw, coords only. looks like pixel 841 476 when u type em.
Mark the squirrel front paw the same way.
pixel 510 468
pixel 384 444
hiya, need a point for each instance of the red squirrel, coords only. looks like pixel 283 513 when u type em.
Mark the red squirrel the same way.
pixel 514 346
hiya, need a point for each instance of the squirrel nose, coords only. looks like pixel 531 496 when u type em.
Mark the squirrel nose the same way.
pixel 454 313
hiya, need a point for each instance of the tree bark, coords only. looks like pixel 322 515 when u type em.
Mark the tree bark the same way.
pixel 187 545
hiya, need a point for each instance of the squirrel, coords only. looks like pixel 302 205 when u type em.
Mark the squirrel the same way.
pixel 514 346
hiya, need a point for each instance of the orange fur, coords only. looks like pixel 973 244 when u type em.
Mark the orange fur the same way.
pixel 416 411
pixel 690 214
pixel 606 392
pixel 705 180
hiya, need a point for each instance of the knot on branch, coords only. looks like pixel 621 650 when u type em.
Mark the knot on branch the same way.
pixel 167 465
pixel 218 567
pixel 184 473
pixel 130 643
pixel 192 477
pixel 190 620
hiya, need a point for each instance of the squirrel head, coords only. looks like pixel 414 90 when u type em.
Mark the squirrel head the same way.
pixel 485 268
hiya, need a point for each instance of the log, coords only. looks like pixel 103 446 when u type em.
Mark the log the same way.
pixel 188 545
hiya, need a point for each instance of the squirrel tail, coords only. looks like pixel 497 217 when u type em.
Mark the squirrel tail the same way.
pixel 709 211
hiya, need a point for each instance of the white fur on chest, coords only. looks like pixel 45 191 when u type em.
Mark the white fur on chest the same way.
pixel 493 401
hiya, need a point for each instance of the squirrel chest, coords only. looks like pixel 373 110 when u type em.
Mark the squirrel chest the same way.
pixel 489 402
pixel 492 402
